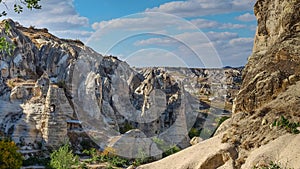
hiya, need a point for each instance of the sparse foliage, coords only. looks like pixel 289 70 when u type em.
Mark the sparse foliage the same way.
pixel 194 133
pixel 167 149
pixel 291 127
pixel 9 155
pixel 5 46
pixel 63 158
pixel 20 5
pixel 271 165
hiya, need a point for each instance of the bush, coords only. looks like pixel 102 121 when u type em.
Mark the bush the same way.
pixel 36 161
pixel 9 155
pixel 94 154
pixel 194 133
pixel 127 126
pixel 289 126
pixel 63 158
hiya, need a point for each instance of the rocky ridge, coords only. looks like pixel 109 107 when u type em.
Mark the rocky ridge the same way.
pixel 53 87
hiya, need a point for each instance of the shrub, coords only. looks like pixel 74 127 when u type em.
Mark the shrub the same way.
pixel 36 161
pixel 9 155
pixel 94 155
pixel 127 126
pixel 118 162
pixel 63 158
pixel 194 133
pixel 291 127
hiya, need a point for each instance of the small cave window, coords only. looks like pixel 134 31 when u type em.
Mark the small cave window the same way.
pixel 52 108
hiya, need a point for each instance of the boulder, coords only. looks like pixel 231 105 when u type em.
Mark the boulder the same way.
pixel 134 144
pixel 280 151
pixel 209 154
pixel 195 140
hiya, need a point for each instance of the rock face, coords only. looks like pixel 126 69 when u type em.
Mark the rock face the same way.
pixel 52 88
pixel 210 154
pixel 271 76
pixel 270 90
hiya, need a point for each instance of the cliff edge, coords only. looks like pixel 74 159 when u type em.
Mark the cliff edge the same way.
pixel 263 127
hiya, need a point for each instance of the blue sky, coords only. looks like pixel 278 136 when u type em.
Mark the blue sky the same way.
pixel 193 33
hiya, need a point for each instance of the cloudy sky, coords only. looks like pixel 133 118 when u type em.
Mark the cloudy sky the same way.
pixel 193 33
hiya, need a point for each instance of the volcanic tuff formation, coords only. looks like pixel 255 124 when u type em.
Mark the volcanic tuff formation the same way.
pixel 53 87
pixel 269 93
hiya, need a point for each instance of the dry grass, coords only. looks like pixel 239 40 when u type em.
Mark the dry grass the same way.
pixel 11 83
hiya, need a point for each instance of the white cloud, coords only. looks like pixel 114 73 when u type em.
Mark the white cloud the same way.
pixel 156 41
pixel 224 36
pixel 73 34
pixel 232 49
pixel 55 15
pixel 141 21
pixel 155 57
pixel 241 41
pixel 191 8
pixel 247 17
pixel 209 24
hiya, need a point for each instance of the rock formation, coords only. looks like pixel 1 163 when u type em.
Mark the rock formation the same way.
pixel 270 92
pixel 52 88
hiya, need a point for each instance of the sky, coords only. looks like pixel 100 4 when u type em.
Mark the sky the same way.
pixel 176 33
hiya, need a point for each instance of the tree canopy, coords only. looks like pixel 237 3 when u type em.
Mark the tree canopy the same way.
pixel 19 6
pixel 9 155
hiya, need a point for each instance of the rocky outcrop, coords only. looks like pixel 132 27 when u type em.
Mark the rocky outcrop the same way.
pixel 210 154
pixel 135 144
pixel 52 88
pixel 270 91
pixel 270 78
pixel 274 64
pixel 280 151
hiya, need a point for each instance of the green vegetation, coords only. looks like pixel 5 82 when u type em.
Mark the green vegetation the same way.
pixel 36 161
pixel 108 155
pixel 219 121
pixel 5 46
pixel 272 165
pixel 222 119
pixel 167 149
pixel 142 158
pixel 194 133
pixel 63 158
pixel 61 84
pixel 9 155
pixel 18 7
pixel 127 126
pixel 291 127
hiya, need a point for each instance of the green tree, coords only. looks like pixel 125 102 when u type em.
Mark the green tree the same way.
pixel 63 158
pixel 19 6
pixel 9 155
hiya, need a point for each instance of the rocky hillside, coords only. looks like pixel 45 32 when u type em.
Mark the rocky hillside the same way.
pixel 51 87
pixel 263 128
